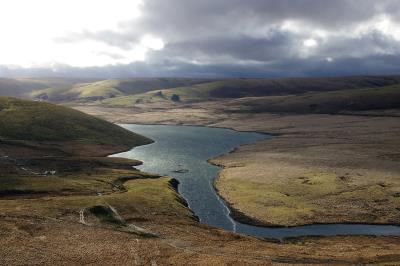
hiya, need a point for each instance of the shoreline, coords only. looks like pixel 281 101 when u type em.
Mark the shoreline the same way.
pixel 314 154
pixel 243 218
pixel 197 125
pixel 236 214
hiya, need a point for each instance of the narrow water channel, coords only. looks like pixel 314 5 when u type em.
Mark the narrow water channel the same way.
pixel 183 151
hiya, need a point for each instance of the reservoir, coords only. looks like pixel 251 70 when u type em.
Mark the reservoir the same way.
pixel 182 152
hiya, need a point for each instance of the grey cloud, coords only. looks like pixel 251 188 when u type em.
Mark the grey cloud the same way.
pixel 371 43
pixel 123 40
pixel 185 16
pixel 294 67
pixel 239 47
pixel 245 38
pixel 182 20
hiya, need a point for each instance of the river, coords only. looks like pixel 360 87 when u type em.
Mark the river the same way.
pixel 182 152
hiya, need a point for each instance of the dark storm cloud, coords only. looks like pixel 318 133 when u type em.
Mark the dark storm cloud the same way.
pixel 252 38
pixel 228 48
pixel 188 15
pixel 177 20
pixel 373 65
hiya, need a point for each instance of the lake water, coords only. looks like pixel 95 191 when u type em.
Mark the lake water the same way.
pixel 182 152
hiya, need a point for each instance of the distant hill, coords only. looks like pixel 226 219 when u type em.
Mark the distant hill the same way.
pixel 38 121
pixel 104 89
pixel 16 88
pixel 23 87
pixel 279 94
pixel 239 88
pixel 331 102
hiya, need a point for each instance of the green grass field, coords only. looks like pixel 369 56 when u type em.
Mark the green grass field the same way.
pixel 38 121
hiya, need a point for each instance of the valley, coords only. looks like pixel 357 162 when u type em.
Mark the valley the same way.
pixel 336 163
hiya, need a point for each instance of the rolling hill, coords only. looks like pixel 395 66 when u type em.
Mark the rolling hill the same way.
pixel 331 102
pixel 104 89
pixel 238 88
pixel 293 95
pixel 241 88
pixel 38 121
pixel 23 87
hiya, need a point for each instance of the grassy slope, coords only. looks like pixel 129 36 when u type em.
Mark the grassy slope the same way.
pixel 23 87
pixel 269 87
pixel 324 102
pixel 35 121
pixel 128 92
pixel 15 88
pixel 32 134
pixel 88 92
pixel 239 88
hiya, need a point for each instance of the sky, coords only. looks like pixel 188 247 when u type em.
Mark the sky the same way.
pixel 192 38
